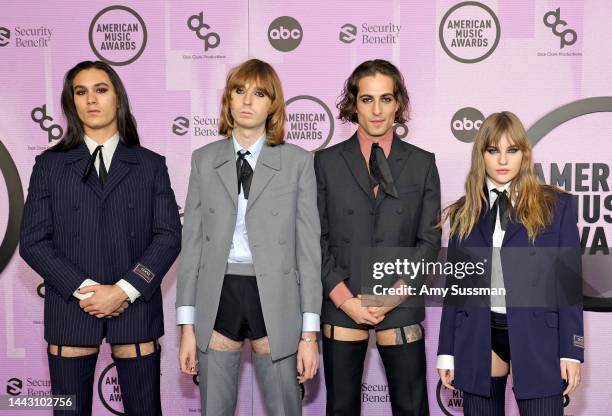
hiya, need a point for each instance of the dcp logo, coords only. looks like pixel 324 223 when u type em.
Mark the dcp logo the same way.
pixel 285 33
pixel 14 386
pixel 196 24
pixel 180 127
pixel 348 33
pixel 39 115
pixel 568 36
pixel 5 36
pixel 465 124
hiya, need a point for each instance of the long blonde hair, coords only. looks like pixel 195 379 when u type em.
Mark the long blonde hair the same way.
pixel 533 200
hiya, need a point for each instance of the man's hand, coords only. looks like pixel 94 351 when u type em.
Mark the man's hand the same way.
pixel 447 377
pixel 570 372
pixel 307 357
pixel 106 300
pixel 381 305
pixel 358 313
pixel 118 311
pixel 188 361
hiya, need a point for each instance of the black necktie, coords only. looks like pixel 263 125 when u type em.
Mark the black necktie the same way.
pixel 102 175
pixel 244 172
pixel 380 172
pixel 501 205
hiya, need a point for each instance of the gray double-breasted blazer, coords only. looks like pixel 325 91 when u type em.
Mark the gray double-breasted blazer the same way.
pixel 283 227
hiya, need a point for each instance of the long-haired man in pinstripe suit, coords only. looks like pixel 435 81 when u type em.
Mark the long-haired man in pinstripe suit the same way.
pixel 101 227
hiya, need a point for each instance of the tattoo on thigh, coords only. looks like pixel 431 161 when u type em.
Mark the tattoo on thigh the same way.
pixel 413 333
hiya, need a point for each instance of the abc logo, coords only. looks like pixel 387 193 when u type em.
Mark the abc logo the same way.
pixel 465 124
pixel 285 33
pixel 5 36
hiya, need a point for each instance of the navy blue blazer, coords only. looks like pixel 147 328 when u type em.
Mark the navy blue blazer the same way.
pixel 71 230
pixel 539 336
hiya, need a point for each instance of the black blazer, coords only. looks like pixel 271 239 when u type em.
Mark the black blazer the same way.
pixel 72 230
pixel 352 218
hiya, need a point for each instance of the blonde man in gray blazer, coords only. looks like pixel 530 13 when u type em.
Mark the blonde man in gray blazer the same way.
pixel 251 257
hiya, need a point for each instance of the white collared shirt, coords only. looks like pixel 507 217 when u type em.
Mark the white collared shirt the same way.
pixel 240 251
pixel 108 150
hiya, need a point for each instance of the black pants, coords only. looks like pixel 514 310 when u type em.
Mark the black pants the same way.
pixel 139 379
pixel 404 366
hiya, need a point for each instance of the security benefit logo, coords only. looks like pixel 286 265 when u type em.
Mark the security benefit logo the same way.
pixel 469 32
pixel 31 386
pixel 198 125
pixel 30 36
pixel 210 39
pixel 285 33
pixel 117 35
pixel 465 123
pixel 370 33
pixel 310 123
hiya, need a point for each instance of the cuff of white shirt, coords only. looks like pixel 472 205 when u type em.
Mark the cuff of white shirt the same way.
pixel 570 359
pixel 86 282
pixel 185 315
pixel 310 322
pixel 445 362
pixel 129 290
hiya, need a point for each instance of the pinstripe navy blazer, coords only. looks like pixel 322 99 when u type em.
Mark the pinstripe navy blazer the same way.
pixel 71 230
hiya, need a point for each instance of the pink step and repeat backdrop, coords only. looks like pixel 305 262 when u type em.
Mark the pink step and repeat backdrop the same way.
pixel 547 60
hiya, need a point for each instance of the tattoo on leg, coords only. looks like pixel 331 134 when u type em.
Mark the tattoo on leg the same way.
pixel 413 333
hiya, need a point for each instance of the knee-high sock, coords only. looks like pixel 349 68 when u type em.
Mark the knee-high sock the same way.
pixel 343 362
pixel 278 382
pixel 73 376
pixel 139 381
pixel 544 406
pixel 474 405
pixel 218 381
pixel 405 370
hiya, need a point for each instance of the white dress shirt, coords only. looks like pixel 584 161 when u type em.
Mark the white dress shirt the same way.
pixel 107 154
pixel 498 303
pixel 240 251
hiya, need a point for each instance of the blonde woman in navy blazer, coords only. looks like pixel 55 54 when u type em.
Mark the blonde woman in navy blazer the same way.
pixel 542 345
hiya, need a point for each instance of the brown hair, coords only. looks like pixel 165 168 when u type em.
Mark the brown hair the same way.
pixel 533 200
pixel 348 98
pixel 263 75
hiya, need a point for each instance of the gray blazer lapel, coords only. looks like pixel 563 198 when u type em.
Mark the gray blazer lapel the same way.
pixel 225 164
pixel 268 164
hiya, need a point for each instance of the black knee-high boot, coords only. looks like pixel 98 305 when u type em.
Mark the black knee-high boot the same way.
pixel 139 381
pixel 405 368
pixel 475 405
pixel 343 363
pixel 73 376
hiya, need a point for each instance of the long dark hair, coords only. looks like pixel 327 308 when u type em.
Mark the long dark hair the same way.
pixel 348 98
pixel 126 124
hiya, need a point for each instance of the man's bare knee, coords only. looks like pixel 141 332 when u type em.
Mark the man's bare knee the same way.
pixel 219 342
pixel 70 351
pixel 261 346
pixel 129 350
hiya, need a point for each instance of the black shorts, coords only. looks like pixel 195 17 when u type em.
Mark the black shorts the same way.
pixel 500 342
pixel 239 315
